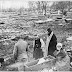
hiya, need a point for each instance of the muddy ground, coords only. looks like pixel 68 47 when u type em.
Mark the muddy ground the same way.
pixel 12 25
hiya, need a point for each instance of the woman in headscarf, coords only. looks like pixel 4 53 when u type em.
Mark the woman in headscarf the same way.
pixel 51 42
pixel 38 48
pixel 63 62
pixel 62 59
pixel 59 48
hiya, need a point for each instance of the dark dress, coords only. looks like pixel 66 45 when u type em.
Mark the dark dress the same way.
pixel 52 45
pixel 37 50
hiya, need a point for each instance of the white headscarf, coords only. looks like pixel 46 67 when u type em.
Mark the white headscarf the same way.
pixel 59 46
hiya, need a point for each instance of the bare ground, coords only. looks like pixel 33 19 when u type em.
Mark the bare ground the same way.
pixel 15 25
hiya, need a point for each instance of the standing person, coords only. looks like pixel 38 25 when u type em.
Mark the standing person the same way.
pixel 20 53
pixel 51 42
pixel 38 45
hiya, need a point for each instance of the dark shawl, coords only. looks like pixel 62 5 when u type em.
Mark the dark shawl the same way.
pixel 37 49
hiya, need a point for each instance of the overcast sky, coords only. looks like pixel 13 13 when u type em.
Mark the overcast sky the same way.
pixel 18 3
pixel 13 3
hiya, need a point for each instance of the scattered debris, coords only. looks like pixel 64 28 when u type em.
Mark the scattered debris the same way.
pixel 69 38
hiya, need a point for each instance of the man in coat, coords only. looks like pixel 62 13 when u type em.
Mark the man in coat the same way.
pixel 51 42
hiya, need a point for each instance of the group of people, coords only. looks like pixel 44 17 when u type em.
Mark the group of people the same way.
pixel 41 49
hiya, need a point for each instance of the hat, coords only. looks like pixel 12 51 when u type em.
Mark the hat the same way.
pixel 49 30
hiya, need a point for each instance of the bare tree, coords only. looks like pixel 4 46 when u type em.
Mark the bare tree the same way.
pixel 32 5
pixel 21 10
pixel 62 5
pixel 44 7
pixel 41 6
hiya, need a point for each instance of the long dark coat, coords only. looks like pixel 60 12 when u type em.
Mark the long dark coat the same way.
pixel 52 45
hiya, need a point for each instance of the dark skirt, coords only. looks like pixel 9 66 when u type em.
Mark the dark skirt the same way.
pixel 51 53
pixel 37 53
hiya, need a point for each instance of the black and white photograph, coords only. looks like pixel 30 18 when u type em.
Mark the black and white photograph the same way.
pixel 36 35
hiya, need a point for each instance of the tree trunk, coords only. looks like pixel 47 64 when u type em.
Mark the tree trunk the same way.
pixel 69 7
pixel 44 9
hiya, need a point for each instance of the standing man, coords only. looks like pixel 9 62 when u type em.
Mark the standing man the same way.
pixel 51 42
